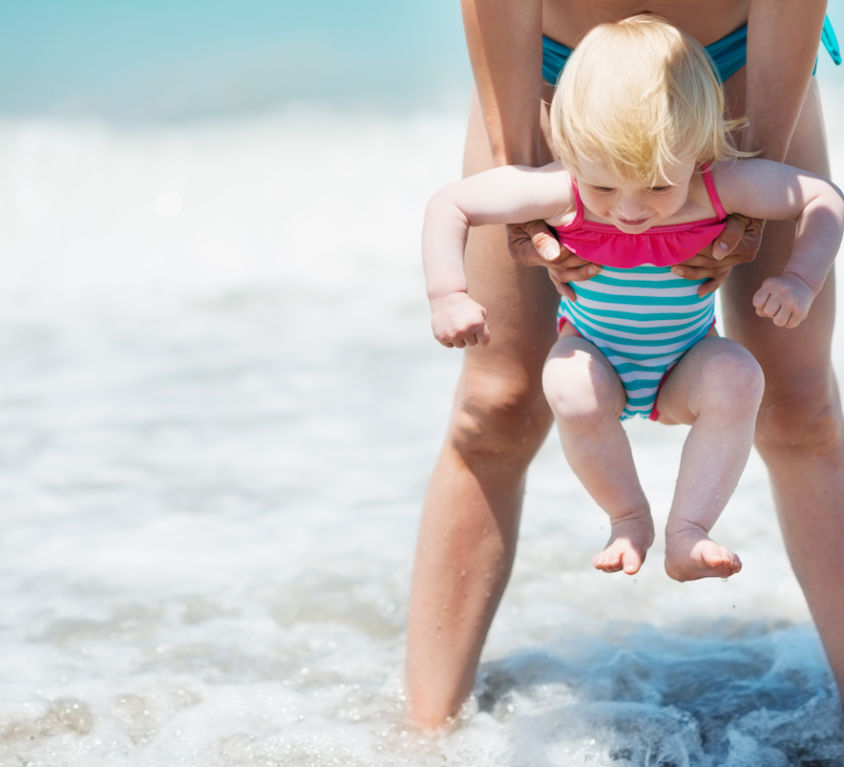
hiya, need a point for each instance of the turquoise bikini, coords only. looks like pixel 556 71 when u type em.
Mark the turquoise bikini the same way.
pixel 729 54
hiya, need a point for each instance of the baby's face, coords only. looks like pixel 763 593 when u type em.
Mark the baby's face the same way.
pixel 633 206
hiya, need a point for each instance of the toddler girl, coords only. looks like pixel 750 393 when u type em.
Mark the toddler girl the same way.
pixel 647 174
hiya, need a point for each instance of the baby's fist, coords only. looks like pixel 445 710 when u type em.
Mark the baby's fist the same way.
pixel 785 300
pixel 459 321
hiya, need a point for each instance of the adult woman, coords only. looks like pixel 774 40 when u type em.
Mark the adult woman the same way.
pixel 469 525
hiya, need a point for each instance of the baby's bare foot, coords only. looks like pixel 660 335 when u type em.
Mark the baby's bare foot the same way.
pixel 629 541
pixel 691 554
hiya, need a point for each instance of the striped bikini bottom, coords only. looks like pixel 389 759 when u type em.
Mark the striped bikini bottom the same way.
pixel 643 319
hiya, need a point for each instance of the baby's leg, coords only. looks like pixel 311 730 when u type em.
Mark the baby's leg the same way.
pixel 587 397
pixel 716 387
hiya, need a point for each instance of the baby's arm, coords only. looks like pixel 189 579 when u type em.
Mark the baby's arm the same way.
pixel 766 189
pixel 507 194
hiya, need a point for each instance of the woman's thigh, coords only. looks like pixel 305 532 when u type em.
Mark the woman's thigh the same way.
pixel 521 301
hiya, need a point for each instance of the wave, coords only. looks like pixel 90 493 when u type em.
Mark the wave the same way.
pixel 315 198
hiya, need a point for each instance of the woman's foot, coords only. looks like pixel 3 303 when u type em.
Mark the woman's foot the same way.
pixel 690 554
pixel 630 539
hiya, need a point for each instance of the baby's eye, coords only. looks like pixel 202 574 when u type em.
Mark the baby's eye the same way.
pixel 603 189
pixel 659 189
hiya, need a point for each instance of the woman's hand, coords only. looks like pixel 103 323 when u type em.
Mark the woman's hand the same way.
pixel 533 244
pixel 737 244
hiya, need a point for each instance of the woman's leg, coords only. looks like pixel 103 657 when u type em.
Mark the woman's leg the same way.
pixel 717 387
pixel 800 430
pixel 469 525
pixel 587 397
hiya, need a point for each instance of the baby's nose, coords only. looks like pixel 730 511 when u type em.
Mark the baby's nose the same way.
pixel 630 207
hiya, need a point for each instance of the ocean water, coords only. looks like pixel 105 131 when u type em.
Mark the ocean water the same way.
pixel 220 404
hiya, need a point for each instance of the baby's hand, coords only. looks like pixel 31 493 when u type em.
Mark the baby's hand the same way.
pixel 785 299
pixel 459 321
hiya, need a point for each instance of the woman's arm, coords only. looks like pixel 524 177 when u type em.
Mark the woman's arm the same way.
pixel 504 40
pixel 782 45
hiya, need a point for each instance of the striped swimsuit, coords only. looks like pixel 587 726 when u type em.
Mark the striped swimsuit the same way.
pixel 635 310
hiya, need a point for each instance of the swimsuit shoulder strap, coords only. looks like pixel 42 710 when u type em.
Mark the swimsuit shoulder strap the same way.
pixel 709 181
pixel 578 205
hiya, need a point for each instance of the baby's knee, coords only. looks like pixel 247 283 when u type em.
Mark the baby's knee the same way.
pixel 578 394
pixel 732 381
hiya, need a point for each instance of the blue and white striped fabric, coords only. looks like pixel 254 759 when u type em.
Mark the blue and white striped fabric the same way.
pixel 643 319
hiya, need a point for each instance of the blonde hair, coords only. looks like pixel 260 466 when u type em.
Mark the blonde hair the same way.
pixel 639 94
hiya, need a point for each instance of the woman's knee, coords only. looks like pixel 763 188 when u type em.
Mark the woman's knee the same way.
pixel 806 416
pixel 498 417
